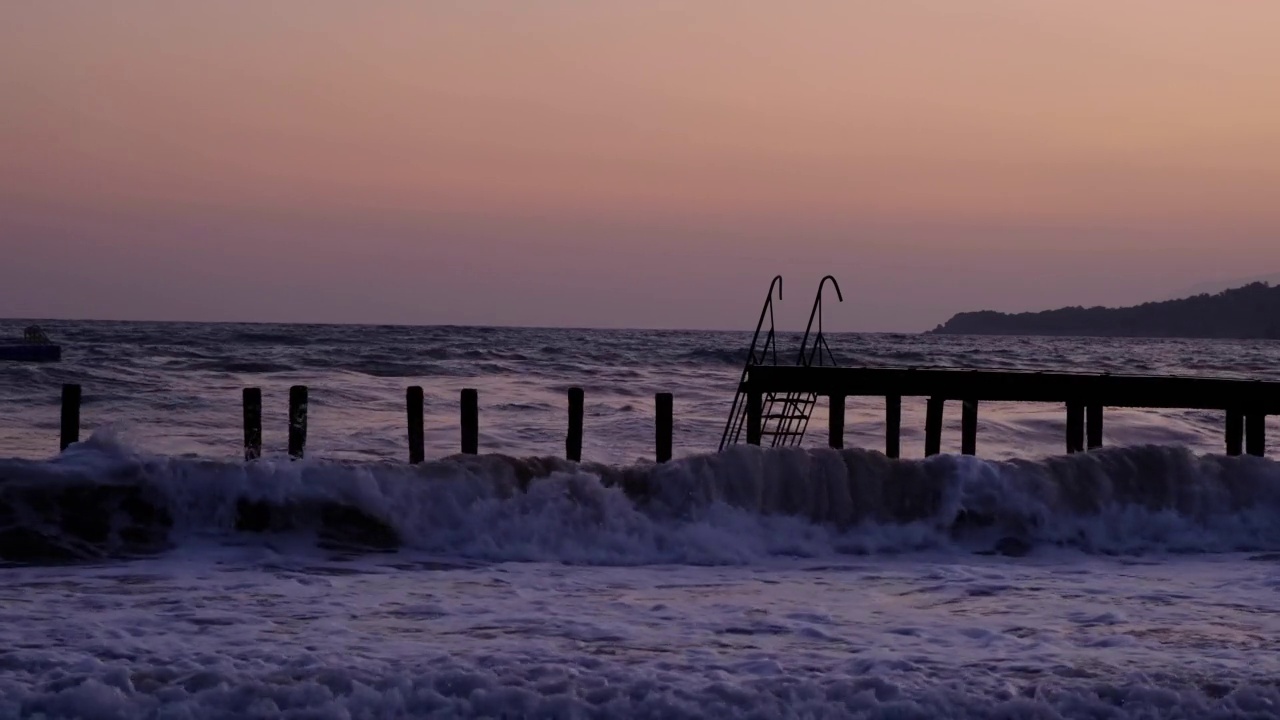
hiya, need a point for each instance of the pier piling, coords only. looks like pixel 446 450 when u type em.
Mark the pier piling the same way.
pixel 414 403
pixel 297 421
pixel 1255 434
pixel 835 425
pixel 663 404
pixel 1093 426
pixel 933 426
pixel 1235 433
pixel 70 425
pixel 755 417
pixel 893 426
pixel 969 428
pixel 1075 427
pixel 252 401
pixel 470 422
pixel 573 442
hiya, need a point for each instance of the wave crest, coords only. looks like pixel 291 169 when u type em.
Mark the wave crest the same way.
pixel 101 499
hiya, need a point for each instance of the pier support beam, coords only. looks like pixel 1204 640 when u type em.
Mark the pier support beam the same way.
pixel 1093 426
pixel 663 426
pixel 297 421
pixel 893 426
pixel 252 400
pixel 573 442
pixel 755 416
pixel 969 428
pixel 933 426
pixel 1075 427
pixel 1235 433
pixel 413 403
pixel 470 422
pixel 835 425
pixel 1255 434
pixel 70 425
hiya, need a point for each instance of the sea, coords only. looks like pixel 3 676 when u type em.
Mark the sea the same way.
pixel 150 571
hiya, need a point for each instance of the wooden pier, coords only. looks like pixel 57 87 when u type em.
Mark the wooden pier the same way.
pixel 1246 403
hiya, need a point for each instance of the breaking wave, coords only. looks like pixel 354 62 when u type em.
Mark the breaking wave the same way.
pixel 103 499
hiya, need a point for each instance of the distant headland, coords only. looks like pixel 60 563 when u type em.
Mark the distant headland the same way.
pixel 1246 313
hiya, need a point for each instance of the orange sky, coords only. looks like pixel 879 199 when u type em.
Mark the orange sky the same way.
pixel 623 164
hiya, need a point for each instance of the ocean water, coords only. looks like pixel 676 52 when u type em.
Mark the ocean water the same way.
pixel 150 572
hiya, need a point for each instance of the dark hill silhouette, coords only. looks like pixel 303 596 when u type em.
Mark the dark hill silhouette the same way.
pixel 1249 312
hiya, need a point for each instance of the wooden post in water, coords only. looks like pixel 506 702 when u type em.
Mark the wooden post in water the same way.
pixel 933 426
pixel 1255 434
pixel 969 428
pixel 70 416
pixel 755 417
pixel 251 399
pixel 413 405
pixel 297 421
pixel 1075 427
pixel 470 422
pixel 663 404
pixel 1235 433
pixel 573 443
pixel 835 424
pixel 893 426
pixel 1093 426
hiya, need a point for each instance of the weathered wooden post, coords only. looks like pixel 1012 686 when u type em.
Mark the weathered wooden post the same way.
pixel 70 416
pixel 663 404
pixel 413 405
pixel 933 426
pixel 893 426
pixel 1075 427
pixel 573 443
pixel 1255 434
pixel 470 422
pixel 251 399
pixel 1093 426
pixel 835 425
pixel 755 417
pixel 297 421
pixel 1235 433
pixel 969 428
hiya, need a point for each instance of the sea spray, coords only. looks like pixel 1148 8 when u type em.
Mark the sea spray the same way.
pixel 732 507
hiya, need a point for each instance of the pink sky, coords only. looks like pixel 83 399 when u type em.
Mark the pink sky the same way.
pixel 629 164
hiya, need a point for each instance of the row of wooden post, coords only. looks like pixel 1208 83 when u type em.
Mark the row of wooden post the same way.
pixel 1245 431
pixel 414 406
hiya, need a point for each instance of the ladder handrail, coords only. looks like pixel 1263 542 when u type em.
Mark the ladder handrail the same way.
pixel 731 427
pixel 817 312
pixel 797 425
pixel 785 416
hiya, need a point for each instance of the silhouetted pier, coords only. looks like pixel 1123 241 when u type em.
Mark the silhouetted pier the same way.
pixel 1245 403
pixel 778 392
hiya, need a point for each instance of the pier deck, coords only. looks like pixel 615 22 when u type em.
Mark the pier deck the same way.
pixel 1246 403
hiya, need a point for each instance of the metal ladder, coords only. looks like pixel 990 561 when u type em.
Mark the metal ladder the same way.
pixel 785 417
pixel 766 354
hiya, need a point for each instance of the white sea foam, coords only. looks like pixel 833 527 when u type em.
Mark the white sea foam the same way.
pixel 752 583
pixel 740 506
pixel 248 632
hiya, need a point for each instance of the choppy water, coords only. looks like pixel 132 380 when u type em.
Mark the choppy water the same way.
pixel 175 388
pixel 154 573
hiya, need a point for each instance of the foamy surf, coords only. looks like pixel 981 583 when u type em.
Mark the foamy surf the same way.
pixel 103 499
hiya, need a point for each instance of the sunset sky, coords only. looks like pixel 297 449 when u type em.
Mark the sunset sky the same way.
pixel 630 164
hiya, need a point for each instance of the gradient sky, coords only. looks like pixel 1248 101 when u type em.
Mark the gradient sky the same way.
pixel 623 164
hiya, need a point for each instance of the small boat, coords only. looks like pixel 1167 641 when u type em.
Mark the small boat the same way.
pixel 35 346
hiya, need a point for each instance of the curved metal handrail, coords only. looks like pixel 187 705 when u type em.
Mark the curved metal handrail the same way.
pixel 817 312
pixel 734 425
